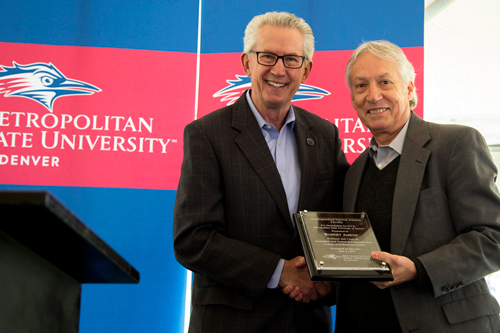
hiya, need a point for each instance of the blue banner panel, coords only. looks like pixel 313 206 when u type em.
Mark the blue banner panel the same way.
pixel 145 24
pixel 337 25
pixel 144 82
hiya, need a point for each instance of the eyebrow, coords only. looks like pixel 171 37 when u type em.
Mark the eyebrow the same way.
pixel 364 78
pixel 294 53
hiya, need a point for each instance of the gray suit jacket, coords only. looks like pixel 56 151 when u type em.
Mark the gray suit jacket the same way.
pixel 446 213
pixel 232 224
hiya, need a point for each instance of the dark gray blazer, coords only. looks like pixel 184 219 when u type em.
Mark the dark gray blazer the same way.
pixel 446 213
pixel 232 224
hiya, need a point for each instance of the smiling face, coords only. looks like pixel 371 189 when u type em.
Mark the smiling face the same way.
pixel 273 87
pixel 380 97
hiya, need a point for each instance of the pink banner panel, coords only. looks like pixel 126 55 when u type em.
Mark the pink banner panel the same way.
pixel 96 117
pixel 222 81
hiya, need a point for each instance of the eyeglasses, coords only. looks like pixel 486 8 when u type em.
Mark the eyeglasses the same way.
pixel 270 59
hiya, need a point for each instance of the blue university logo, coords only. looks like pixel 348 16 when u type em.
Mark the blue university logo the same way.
pixel 236 87
pixel 40 82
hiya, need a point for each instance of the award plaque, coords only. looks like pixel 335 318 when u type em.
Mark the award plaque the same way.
pixel 338 246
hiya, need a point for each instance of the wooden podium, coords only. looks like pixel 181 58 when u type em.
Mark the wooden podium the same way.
pixel 46 253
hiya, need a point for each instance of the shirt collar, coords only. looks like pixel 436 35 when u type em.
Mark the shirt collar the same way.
pixel 396 144
pixel 290 116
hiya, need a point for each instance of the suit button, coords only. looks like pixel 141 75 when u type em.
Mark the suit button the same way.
pixel 445 289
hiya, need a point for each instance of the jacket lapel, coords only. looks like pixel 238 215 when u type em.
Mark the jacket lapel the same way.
pixel 254 147
pixel 307 143
pixel 409 179
pixel 353 178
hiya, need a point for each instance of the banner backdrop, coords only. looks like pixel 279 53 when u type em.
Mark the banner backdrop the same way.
pixel 94 98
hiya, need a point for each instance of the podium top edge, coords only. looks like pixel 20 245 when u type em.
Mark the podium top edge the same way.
pixel 62 223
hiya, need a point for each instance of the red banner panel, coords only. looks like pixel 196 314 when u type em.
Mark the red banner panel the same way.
pixel 222 81
pixel 98 117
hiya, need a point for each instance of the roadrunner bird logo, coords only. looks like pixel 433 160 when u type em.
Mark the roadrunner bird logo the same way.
pixel 236 87
pixel 41 82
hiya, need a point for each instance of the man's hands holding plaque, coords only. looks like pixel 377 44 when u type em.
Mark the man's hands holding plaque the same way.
pixel 402 268
pixel 296 282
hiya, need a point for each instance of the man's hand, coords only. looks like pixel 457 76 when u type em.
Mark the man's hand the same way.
pixel 296 283
pixel 402 268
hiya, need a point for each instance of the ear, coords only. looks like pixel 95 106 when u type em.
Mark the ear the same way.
pixel 307 71
pixel 411 89
pixel 245 62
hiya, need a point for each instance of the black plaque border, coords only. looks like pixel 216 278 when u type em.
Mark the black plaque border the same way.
pixel 333 274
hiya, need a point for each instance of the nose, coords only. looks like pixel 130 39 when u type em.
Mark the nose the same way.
pixel 279 68
pixel 374 94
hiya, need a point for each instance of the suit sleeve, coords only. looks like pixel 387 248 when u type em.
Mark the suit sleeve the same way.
pixel 200 223
pixel 472 220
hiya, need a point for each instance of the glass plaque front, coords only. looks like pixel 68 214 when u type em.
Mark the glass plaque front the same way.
pixel 339 245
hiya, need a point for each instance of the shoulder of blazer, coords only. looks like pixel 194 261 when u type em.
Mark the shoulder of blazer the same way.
pixel 236 115
pixel 418 132
pixel 303 117
pixel 309 120
pixel 422 132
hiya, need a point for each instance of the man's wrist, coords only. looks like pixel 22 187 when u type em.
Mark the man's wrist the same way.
pixel 275 278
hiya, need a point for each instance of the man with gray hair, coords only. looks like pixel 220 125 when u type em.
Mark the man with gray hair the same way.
pixel 429 191
pixel 247 168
